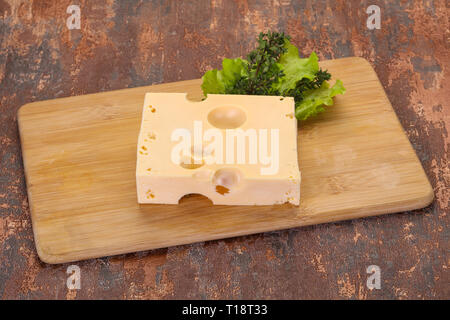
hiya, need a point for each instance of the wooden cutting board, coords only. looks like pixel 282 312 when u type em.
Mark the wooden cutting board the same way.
pixel 80 155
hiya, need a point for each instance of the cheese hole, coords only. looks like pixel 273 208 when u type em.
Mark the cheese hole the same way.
pixel 226 179
pixel 227 117
pixel 191 166
pixel 188 163
pixel 195 199
pixel 222 190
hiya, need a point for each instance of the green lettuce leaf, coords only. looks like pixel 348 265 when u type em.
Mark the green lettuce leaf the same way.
pixel 314 100
pixel 295 68
pixel 299 75
pixel 219 81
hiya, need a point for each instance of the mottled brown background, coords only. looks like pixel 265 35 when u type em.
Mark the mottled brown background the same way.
pixel 132 43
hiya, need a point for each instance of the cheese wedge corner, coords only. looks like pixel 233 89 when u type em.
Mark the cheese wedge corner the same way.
pixel 233 149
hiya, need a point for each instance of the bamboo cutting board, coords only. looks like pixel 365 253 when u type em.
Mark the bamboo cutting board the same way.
pixel 80 155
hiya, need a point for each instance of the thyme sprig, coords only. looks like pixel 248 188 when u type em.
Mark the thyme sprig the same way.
pixel 263 71
pixel 303 85
pixel 275 68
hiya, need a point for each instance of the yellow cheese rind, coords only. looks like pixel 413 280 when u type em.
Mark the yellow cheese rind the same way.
pixel 160 180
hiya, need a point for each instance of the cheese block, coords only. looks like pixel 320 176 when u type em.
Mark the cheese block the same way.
pixel 233 149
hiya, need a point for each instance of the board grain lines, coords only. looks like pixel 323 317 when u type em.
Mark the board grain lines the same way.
pixel 80 156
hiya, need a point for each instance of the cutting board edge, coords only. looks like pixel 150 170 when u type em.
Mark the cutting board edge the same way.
pixel 23 111
pixel 350 214
pixel 24 108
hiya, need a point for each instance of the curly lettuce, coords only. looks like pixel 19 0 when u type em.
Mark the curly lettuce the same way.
pixel 220 81
pixel 276 67
pixel 315 100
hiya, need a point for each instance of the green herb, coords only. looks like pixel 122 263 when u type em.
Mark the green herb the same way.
pixel 262 68
pixel 303 85
pixel 275 68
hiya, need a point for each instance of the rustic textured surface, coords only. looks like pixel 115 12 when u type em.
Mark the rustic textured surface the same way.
pixel 131 43
pixel 79 156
